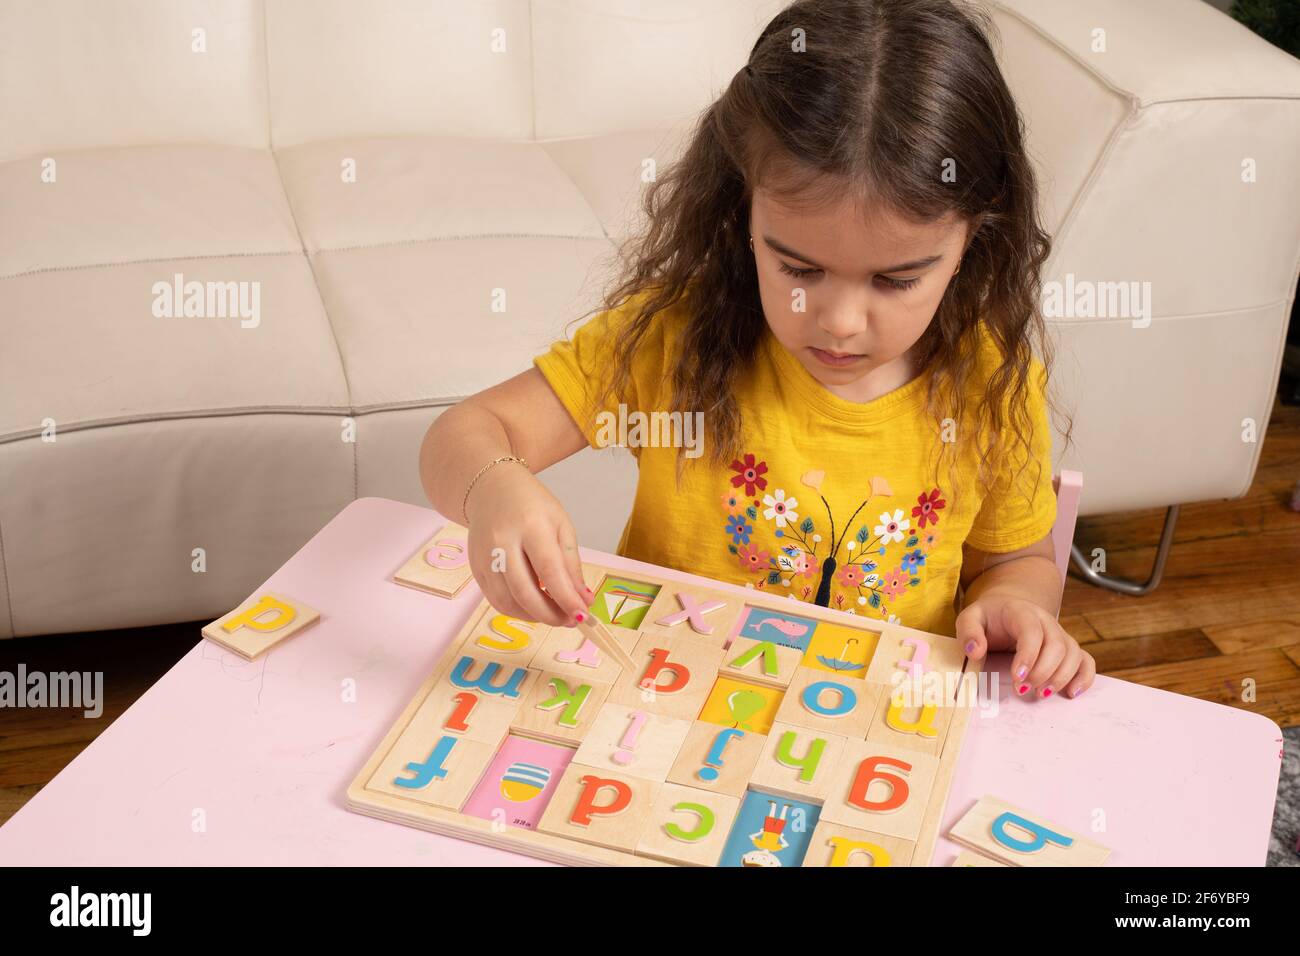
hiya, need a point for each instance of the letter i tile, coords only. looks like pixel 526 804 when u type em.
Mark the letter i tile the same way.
pixel 717 758
pixel 632 741
pixel 463 712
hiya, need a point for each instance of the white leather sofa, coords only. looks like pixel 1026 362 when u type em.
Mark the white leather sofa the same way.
pixel 498 145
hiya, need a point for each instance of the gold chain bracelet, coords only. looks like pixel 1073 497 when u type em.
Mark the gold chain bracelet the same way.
pixel 494 462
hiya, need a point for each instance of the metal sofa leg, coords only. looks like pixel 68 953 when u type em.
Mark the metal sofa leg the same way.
pixel 1123 585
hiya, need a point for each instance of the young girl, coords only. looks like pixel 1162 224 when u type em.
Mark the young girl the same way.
pixel 839 278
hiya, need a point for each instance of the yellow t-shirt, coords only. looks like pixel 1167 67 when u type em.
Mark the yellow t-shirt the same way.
pixel 820 477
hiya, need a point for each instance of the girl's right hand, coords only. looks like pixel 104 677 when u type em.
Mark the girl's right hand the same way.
pixel 519 532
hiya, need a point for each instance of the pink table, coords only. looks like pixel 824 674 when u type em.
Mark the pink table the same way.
pixel 260 753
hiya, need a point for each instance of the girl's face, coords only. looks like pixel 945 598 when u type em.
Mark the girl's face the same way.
pixel 848 298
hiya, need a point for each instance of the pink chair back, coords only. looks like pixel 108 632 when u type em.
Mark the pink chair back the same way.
pixel 1068 485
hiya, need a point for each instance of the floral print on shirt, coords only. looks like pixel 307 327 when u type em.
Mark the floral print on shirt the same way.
pixel 870 570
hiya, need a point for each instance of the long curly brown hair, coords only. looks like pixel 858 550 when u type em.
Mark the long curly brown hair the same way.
pixel 873 99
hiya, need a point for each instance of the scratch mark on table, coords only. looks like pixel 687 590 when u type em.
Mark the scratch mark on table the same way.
pixel 262 679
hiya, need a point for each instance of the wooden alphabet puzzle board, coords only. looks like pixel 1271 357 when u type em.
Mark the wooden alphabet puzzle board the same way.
pixel 754 731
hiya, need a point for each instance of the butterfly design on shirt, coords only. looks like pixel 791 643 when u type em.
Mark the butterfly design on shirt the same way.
pixel 872 568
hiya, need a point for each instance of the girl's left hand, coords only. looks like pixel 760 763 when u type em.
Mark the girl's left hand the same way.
pixel 1047 660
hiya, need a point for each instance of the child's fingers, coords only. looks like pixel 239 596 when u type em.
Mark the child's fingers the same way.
pixel 1071 658
pixel 523 583
pixel 1020 621
pixel 548 561
pixel 573 562
pixel 497 591
pixel 970 632
pixel 1083 679
pixel 1050 655
pixel 490 579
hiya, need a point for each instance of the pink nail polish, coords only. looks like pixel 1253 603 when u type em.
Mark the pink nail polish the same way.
pixel 580 617
pixel 1047 692
pixel 1077 692
pixel 970 647
pixel 1021 689
pixel 1020 674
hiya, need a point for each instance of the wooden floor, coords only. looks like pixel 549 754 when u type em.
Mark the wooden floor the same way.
pixel 1227 611
pixel 1228 608
pixel 36 744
